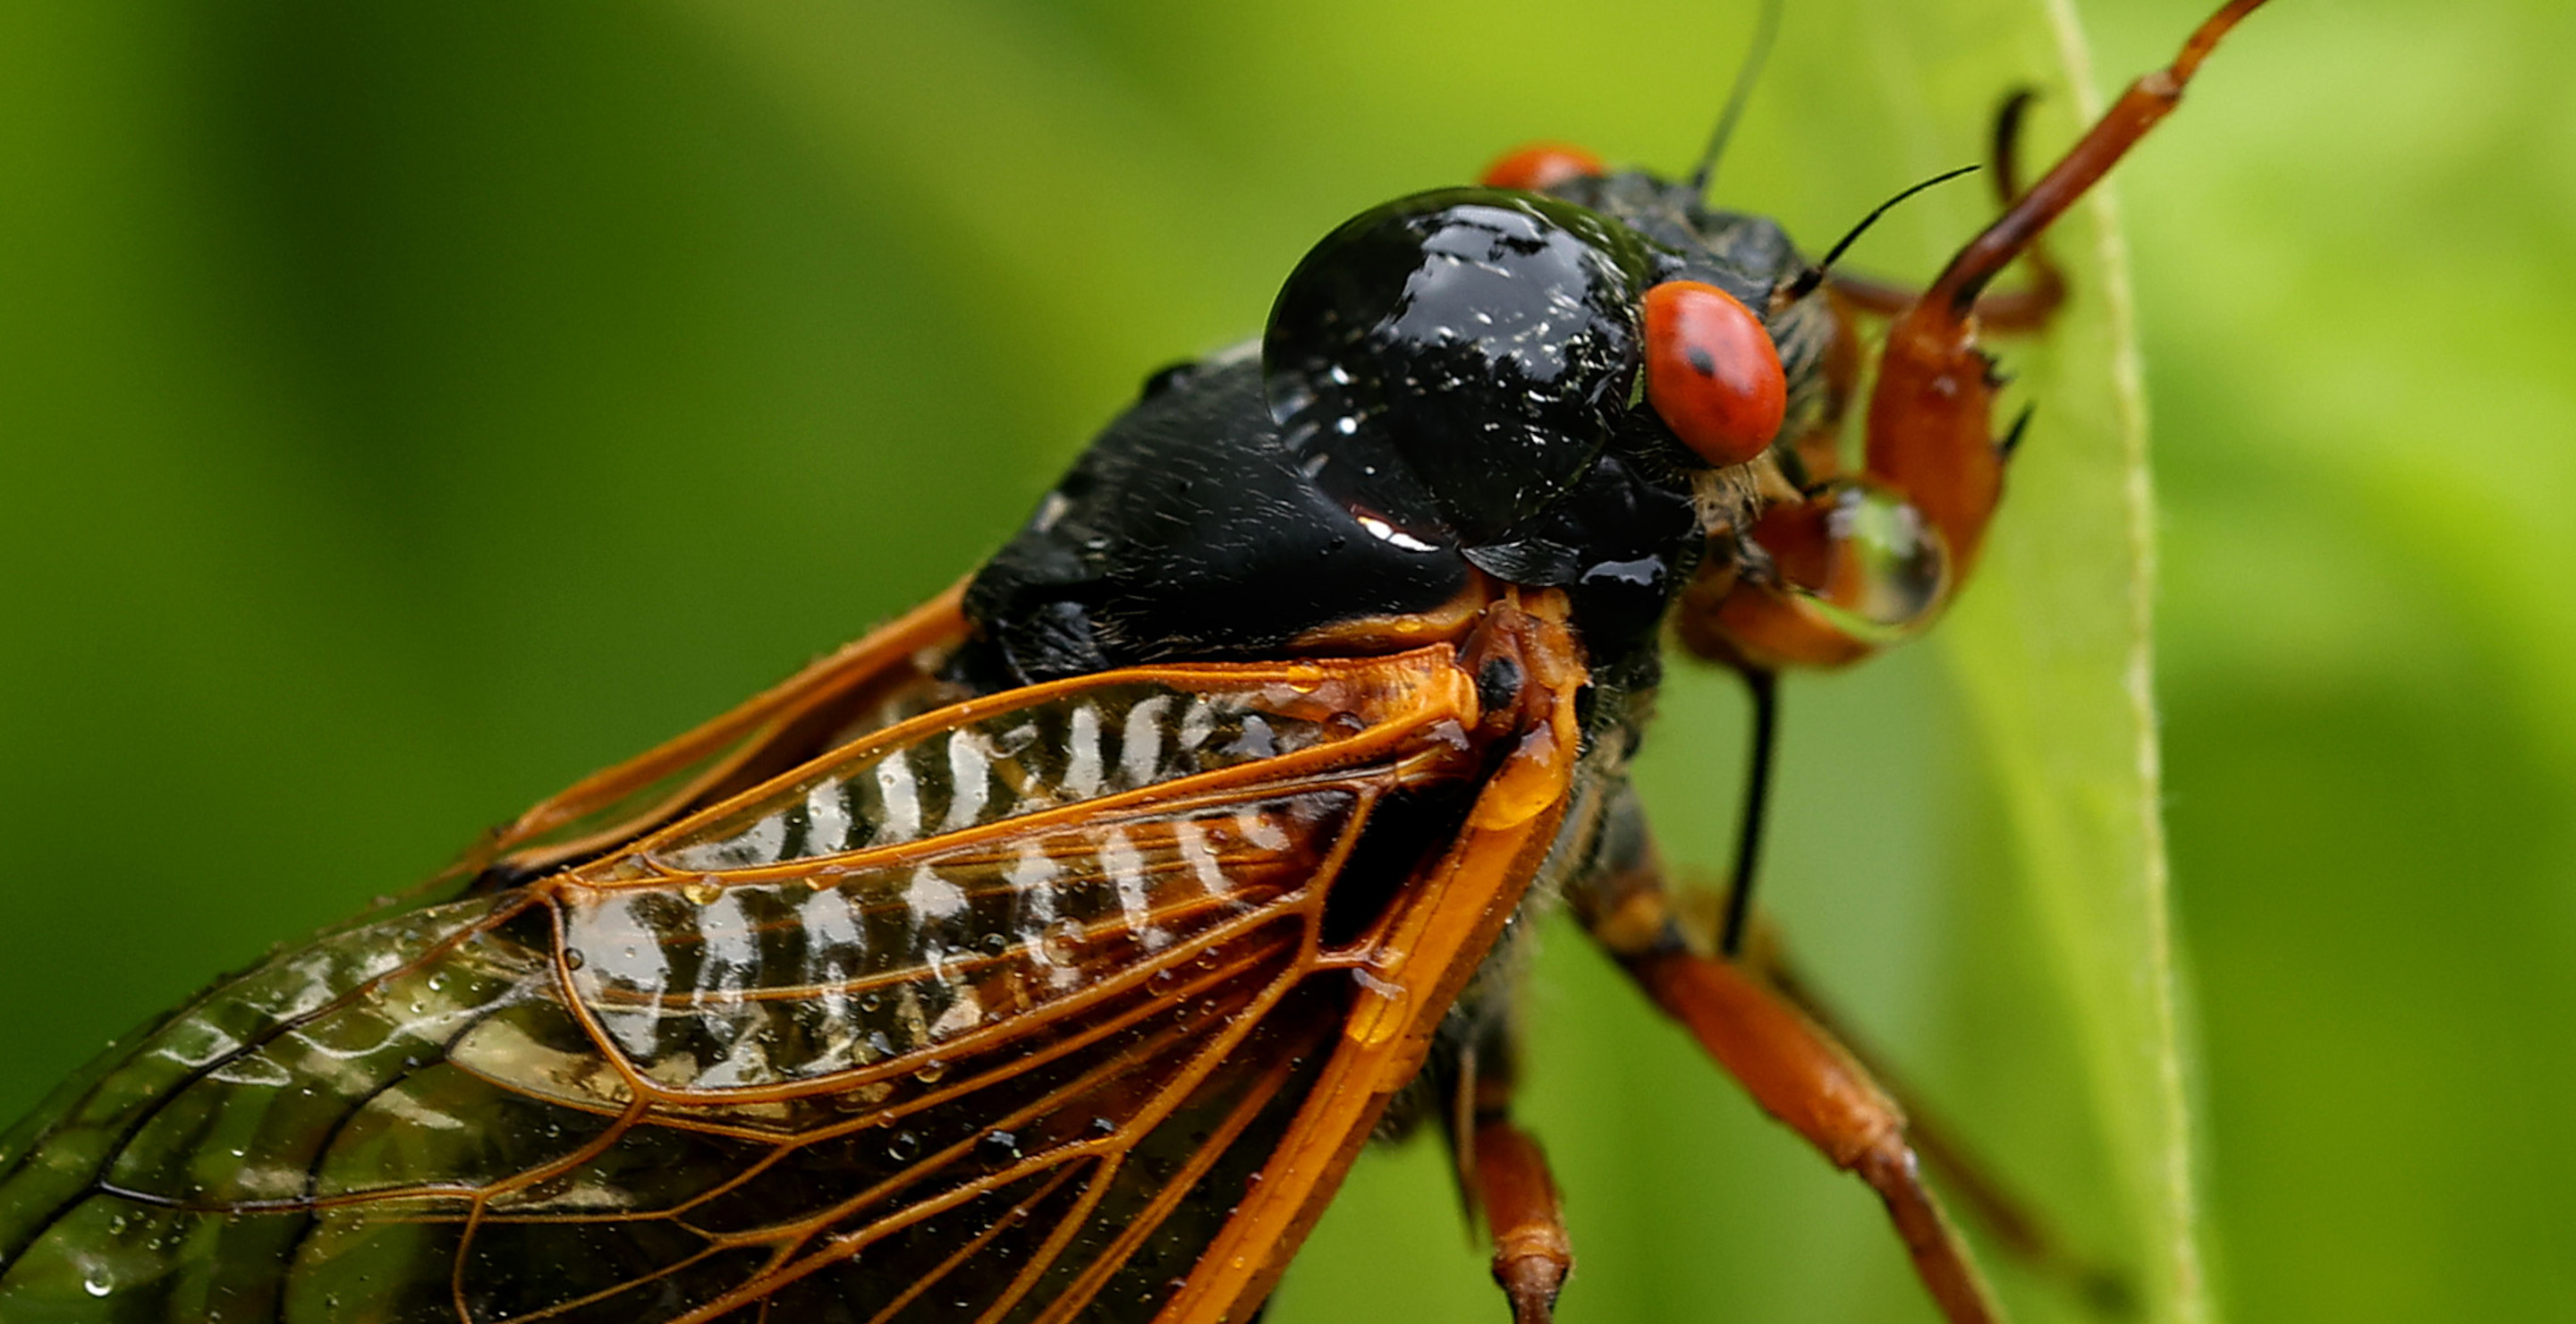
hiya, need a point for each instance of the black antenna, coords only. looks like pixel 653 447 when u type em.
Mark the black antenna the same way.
pixel 1814 276
pixel 1766 27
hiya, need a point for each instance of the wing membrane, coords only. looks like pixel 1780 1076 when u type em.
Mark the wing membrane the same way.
pixel 706 987
pixel 1001 1005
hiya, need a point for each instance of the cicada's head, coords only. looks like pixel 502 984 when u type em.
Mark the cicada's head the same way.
pixel 1564 385
pixel 1569 389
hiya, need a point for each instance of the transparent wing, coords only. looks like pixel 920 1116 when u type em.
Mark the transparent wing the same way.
pixel 997 1013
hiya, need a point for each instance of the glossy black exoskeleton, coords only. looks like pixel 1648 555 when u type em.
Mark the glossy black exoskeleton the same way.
pixel 1449 384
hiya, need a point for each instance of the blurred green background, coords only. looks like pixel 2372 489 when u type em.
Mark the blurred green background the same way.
pixel 403 413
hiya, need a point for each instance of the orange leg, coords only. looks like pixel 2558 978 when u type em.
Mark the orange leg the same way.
pixel 1724 923
pixel 1503 1175
pixel 1928 421
pixel 1868 560
pixel 1989 1202
pixel 1794 1070
pixel 1532 1256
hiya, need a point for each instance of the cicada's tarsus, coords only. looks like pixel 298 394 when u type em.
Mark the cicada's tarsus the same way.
pixel 1051 952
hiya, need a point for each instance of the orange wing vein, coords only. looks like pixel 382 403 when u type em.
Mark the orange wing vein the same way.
pixel 1071 998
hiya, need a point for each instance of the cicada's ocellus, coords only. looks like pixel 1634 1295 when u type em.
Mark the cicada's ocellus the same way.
pixel 1051 952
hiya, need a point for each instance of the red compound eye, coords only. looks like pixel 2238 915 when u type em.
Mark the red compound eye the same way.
pixel 1712 372
pixel 1542 166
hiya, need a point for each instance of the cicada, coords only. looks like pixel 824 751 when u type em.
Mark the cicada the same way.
pixel 1052 951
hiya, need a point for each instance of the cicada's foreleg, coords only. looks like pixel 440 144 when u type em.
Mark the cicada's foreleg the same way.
pixel 2019 311
pixel 1503 1174
pixel 1931 440
pixel 1868 559
pixel 1792 1067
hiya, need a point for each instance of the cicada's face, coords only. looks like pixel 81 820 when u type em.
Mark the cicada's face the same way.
pixel 1550 383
